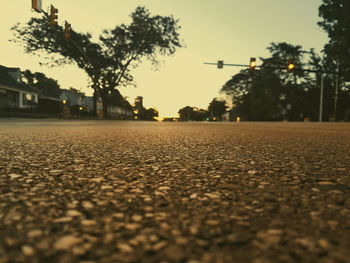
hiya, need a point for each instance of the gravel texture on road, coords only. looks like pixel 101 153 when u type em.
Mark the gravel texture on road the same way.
pixel 100 192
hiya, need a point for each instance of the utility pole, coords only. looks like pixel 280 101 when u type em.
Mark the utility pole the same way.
pixel 321 98
pixel 336 93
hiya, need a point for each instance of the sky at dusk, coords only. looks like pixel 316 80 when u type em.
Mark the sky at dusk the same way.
pixel 229 30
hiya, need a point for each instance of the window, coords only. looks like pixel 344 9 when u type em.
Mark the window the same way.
pixel 28 99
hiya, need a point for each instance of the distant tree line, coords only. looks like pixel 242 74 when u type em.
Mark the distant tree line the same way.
pixel 214 112
pixel 144 114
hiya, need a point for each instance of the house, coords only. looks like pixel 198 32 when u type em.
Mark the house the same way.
pixel 70 98
pixel 50 105
pixel 76 104
pixel 14 94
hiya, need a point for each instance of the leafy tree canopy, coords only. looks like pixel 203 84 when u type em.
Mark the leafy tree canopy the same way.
pixel 336 22
pixel 47 86
pixel 189 113
pixel 217 108
pixel 148 114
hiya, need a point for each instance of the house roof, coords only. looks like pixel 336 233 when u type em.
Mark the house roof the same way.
pixel 7 81
pixel 12 69
pixel 44 97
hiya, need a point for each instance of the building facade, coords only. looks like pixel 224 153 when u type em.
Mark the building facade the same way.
pixel 14 94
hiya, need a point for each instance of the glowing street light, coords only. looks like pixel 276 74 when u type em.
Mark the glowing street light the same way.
pixel 290 67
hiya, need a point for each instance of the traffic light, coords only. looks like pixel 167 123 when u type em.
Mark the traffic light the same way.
pixel 220 64
pixel 67 30
pixel 290 67
pixel 53 16
pixel 252 64
pixel 36 5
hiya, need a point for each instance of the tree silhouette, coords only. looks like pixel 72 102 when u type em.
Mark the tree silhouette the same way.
pixel 189 113
pixel 217 108
pixel 46 86
pixel 336 22
pixel 108 62
pixel 147 114
pixel 272 93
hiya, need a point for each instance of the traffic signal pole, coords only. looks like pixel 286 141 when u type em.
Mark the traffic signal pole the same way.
pixel 235 65
pixel 291 68
pixel 336 93
pixel 321 99
pixel 276 67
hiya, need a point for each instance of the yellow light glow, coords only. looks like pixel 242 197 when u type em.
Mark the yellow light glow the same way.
pixel 135 118
pixel 291 66
pixel 238 119
pixel 253 64
pixel 64 101
pixel 80 108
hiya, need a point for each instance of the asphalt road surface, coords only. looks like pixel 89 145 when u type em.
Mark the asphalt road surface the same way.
pixel 105 191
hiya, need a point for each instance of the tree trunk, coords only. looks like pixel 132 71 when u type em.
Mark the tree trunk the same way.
pixel 105 107
pixel 94 97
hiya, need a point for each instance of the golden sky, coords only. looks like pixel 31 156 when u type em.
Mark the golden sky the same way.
pixel 229 30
